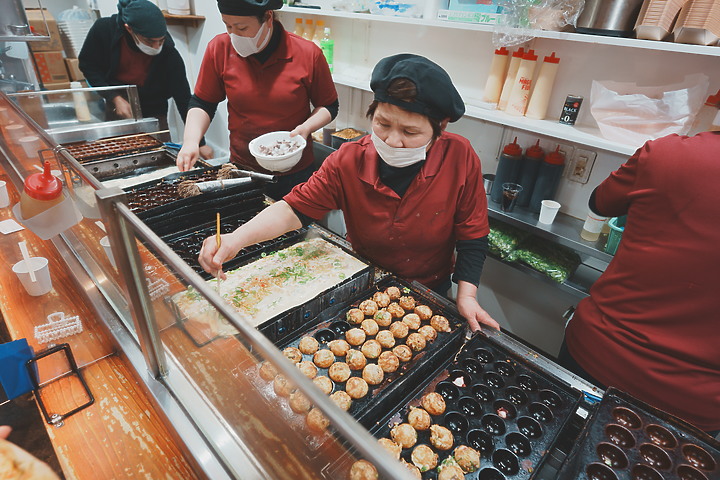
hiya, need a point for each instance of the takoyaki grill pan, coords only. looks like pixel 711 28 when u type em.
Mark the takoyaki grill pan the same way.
pixel 626 439
pixel 85 152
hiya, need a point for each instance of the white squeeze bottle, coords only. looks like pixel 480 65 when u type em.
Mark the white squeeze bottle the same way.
pixel 520 94
pixel 496 77
pixel 299 27
pixel 81 107
pixel 309 30
pixel 538 105
pixel 319 32
pixel 510 78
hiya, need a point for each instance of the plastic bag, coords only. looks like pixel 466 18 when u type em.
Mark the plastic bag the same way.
pixel 522 17
pixel 503 238
pixel 631 114
pixel 555 261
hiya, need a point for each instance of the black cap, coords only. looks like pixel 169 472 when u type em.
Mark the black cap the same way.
pixel 247 8
pixel 436 95
pixel 144 17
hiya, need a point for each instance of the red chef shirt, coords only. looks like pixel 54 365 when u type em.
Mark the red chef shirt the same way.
pixel 413 236
pixel 265 97
pixel 651 325
pixel 133 65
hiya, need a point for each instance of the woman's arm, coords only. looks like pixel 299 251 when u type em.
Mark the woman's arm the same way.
pixel 471 310
pixel 196 124
pixel 319 117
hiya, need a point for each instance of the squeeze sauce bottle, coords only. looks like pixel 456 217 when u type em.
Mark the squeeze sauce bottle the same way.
pixel 298 27
pixel 548 179
pixel 41 192
pixel 520 94
pixel 508 169
pixel 528 173
pixel 537 107
pixel 510 78
pixel 496 77
pixel 309 30
pixel 706 119
pixel 319 32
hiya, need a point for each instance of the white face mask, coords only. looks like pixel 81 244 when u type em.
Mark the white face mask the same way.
pixel 246 46
pixel 147 50
pixel 398 157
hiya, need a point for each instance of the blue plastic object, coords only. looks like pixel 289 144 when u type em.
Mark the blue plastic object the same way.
pixel 13 373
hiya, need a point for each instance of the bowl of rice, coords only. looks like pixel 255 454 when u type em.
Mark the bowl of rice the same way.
pixel 277 151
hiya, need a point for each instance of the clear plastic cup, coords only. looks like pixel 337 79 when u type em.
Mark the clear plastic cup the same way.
pixel 510 194
pixel 4 196
pixel 105 242
pixel 548 210
pixel 15 131
pixel 39 266
pixel 31 145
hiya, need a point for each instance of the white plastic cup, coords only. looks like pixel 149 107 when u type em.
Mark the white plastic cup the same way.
pixel 548 210
pixel 15 131
pixel 179 7
pixel 4 116
pixel 4 197
pixel 39 266
pixel 105 242
pixel 31 145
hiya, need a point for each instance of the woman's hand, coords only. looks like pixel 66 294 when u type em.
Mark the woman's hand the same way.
pixel 301 131
pixel 122 107
pixel 187 156
pixel 211 257
pixel 206 152
pixel 471 310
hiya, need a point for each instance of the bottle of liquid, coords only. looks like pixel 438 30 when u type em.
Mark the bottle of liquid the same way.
pixel 510 78
pixel 508 169
pixel 537 107
pixel 496 77
pixel 81 107
pixel 528 173
pixel 319 32
pixel 705 118
pixel 41 191
pixel 520 94
pixel 309 30
pixel 327 45
pixel 299 27
pixel 548 179
pixel 592 227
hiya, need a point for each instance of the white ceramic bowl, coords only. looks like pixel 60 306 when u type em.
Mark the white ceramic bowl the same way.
pixel 280 163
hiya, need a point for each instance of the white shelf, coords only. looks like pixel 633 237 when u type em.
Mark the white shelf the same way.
pixel 565 36
pixel 550 128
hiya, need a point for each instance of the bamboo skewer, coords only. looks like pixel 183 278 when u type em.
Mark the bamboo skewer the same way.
pixel 219 242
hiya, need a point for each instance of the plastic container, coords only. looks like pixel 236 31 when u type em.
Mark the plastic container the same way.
pixel 592 228
pixel 179 7
pixel 327 45
pixel 299 29
pixel 508 169
pixel 277 163
pixel 528 173
pixel 309 30
pixel 617 227
pixel 538 105
pixel 548 179
pixel 319 32
pixel 510 78
pixel 496 77
pixel 41 192
pixel 81 107
pixel 520 94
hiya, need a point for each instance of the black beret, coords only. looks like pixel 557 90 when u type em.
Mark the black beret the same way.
pixel 144 17
pixel 436 95
pixel 247 8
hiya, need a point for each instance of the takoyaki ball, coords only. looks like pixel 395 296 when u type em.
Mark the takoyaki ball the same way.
pixel 424 312
pixel 356 387
pixel 370 327
pixel 382 299
pixel 419 418
pixel 371 349
pixel 373 374
pixel 341 399
pixel 339 372
pixel 416 341
pixel 403 352
pixel 355 316
pixel 467 458
pixel 428 332
pixel 293 354
pixel 299 402
pixel 355 360
pixel 412 320
pixel 355 336
pixel 440 437
pixel 393 448
pixel 323 358
pixel 424 458
pixel 407 302
pixel 385 338
pixel 368 307
pixel 363 470
pixel 308 345
pixel 393 293
pixel 324 384
pixel 399 329
pixel 388 361
pixel 414 471
pixel 383 318
pixel 340 347
pixel 268 371
pixel 440 323
pixel 395 310
pixel 308 368
pixel 282 387
pixel 404 435
pixel 434 403
pixel 451 472
pixel 317 421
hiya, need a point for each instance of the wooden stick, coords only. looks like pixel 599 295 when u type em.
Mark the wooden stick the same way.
pixel 219 242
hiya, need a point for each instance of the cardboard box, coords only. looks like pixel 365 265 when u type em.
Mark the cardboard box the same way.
pixel 73 68
pixel 38 26
pixel 50 67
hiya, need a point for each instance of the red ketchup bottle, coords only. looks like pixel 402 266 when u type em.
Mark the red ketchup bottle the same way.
pixel 41 192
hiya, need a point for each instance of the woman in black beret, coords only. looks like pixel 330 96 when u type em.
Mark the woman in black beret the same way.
pixel 411 193
pixel 272 79
pixel 133 47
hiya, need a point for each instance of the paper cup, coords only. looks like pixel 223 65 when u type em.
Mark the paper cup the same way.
pixel 31 145
pixel 39 266
pixel 4 197
pixel 105 242
pixel 548 210
pixel 15 131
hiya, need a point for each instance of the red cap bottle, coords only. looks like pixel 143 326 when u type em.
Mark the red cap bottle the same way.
pixel 40 192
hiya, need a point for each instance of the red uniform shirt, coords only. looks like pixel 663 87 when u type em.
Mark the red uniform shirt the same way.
pixel 413 236
pixel 651 325
pixel 133 65
pixel 265 97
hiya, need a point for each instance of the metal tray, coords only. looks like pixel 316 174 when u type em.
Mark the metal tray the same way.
pixel 130 165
